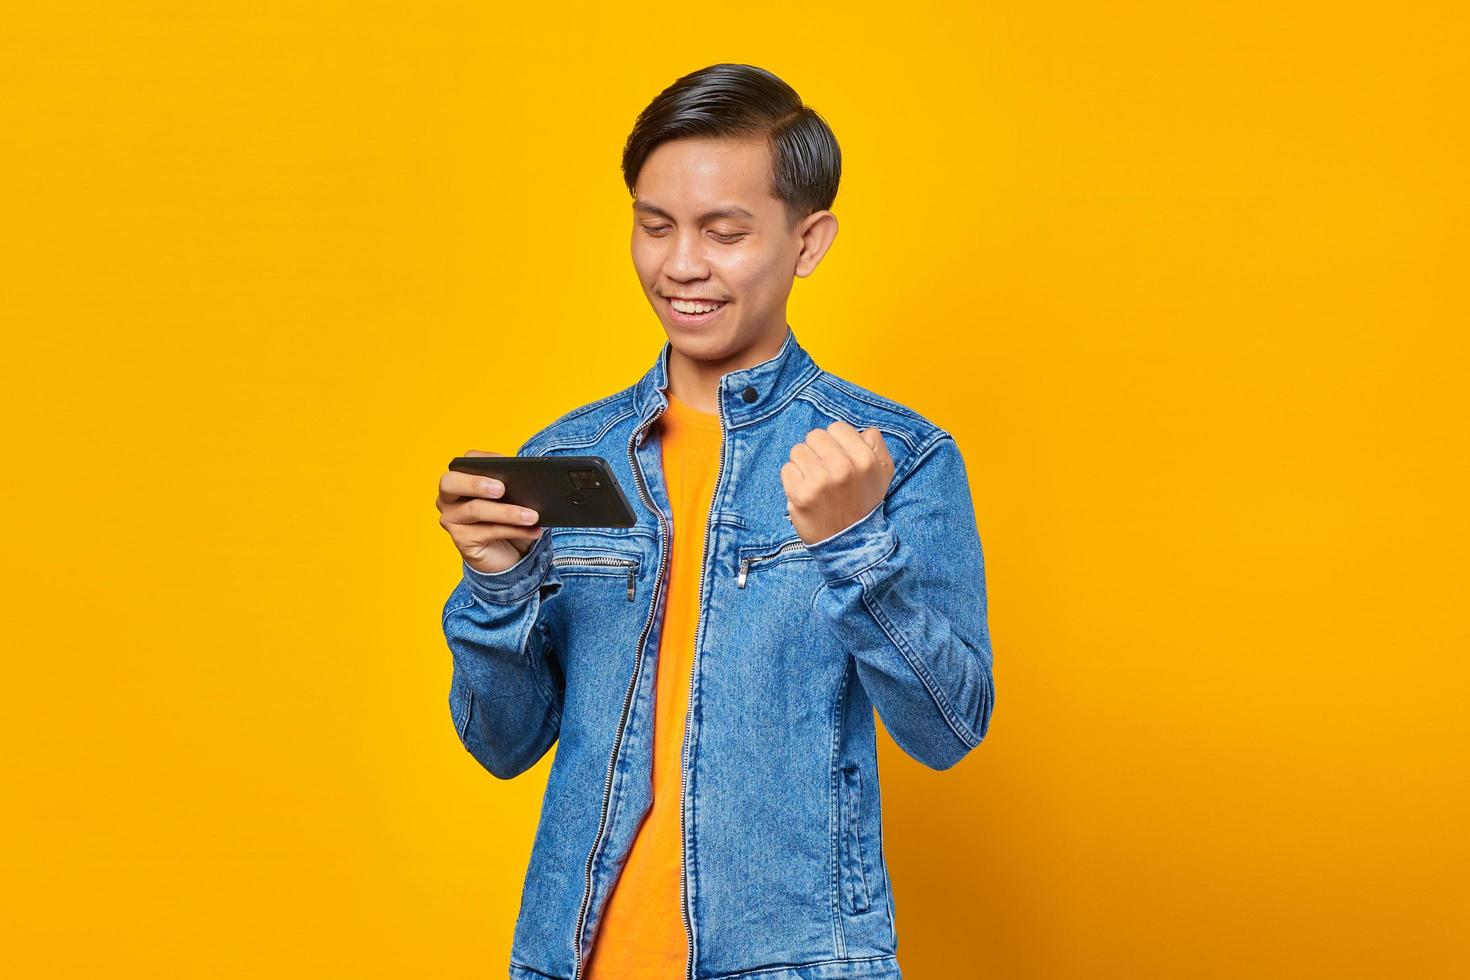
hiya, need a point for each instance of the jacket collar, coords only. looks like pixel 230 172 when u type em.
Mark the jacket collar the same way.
pixel 745 395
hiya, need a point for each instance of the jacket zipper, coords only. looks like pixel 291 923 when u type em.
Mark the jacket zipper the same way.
pixel 600 560
pixel 694 673
pixel 627 703
pixel 745 563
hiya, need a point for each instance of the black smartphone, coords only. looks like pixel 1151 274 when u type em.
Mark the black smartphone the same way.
pixel 564 491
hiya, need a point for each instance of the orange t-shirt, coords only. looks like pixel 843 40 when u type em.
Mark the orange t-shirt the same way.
pixel 641 935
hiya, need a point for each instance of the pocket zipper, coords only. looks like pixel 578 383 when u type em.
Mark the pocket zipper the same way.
pixel 745 562
pixel 601 560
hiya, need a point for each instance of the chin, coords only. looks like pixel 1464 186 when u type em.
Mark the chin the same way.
pixel 703 346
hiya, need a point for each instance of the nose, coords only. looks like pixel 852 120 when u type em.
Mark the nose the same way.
pixel 686 259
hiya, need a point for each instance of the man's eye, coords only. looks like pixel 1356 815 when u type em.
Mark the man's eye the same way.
pixel 727 238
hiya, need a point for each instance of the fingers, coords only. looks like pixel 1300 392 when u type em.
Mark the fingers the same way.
pixel 478 511
pixel 474 539
pixel 874 437
pixel 790 480
pixel 852 442
pixel 485 533
pixel 807 463
pixel 826 448
pixel 467 498
pixel 838 449
pixel 454 485
pixel 833 454
pixel 864 451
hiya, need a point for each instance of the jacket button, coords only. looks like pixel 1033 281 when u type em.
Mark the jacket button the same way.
pixel 749 394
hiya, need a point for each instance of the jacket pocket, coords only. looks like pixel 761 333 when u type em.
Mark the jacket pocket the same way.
pixel 615 565
pixel 853 875
pixel 764 556
pixel 578 551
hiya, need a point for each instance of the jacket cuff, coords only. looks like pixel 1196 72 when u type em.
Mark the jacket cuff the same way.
pixel 516 582
pixel 855 548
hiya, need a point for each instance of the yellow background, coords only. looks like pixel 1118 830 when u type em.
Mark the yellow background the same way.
pixel 1185 280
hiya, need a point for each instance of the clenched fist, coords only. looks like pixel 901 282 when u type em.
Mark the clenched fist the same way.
pixel 835 476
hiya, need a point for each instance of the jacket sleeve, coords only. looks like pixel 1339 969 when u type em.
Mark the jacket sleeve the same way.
pixel 904 587
pixel 507 688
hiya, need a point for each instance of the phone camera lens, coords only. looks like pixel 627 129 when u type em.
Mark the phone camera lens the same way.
pixel 584 479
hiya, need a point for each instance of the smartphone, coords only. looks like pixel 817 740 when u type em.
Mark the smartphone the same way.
pixel 564 491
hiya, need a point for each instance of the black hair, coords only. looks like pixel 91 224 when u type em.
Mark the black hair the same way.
pixel 728 100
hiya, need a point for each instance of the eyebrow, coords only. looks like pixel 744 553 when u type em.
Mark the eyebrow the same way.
pixel 729 211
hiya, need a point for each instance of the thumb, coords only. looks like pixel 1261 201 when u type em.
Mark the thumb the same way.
pixel 874 438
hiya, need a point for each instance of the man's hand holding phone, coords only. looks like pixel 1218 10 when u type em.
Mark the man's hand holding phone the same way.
pixel 490 535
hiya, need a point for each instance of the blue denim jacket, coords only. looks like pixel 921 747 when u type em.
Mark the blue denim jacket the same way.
pixel 784 873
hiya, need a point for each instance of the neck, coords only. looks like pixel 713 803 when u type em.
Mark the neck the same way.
pixel 694 382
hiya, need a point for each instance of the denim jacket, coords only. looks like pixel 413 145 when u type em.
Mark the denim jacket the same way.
pixel 784 875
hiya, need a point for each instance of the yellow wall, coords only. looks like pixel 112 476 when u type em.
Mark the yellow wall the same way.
pixel 1185 280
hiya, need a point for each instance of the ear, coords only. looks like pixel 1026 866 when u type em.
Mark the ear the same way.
pixel 816 230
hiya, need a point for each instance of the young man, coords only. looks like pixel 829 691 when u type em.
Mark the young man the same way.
pixel 806 551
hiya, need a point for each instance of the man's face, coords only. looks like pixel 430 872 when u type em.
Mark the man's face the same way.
pixel 707 228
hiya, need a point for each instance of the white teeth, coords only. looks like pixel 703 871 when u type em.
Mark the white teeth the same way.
pixel 686 307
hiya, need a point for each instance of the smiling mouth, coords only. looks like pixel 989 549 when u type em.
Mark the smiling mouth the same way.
pixel 680 316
